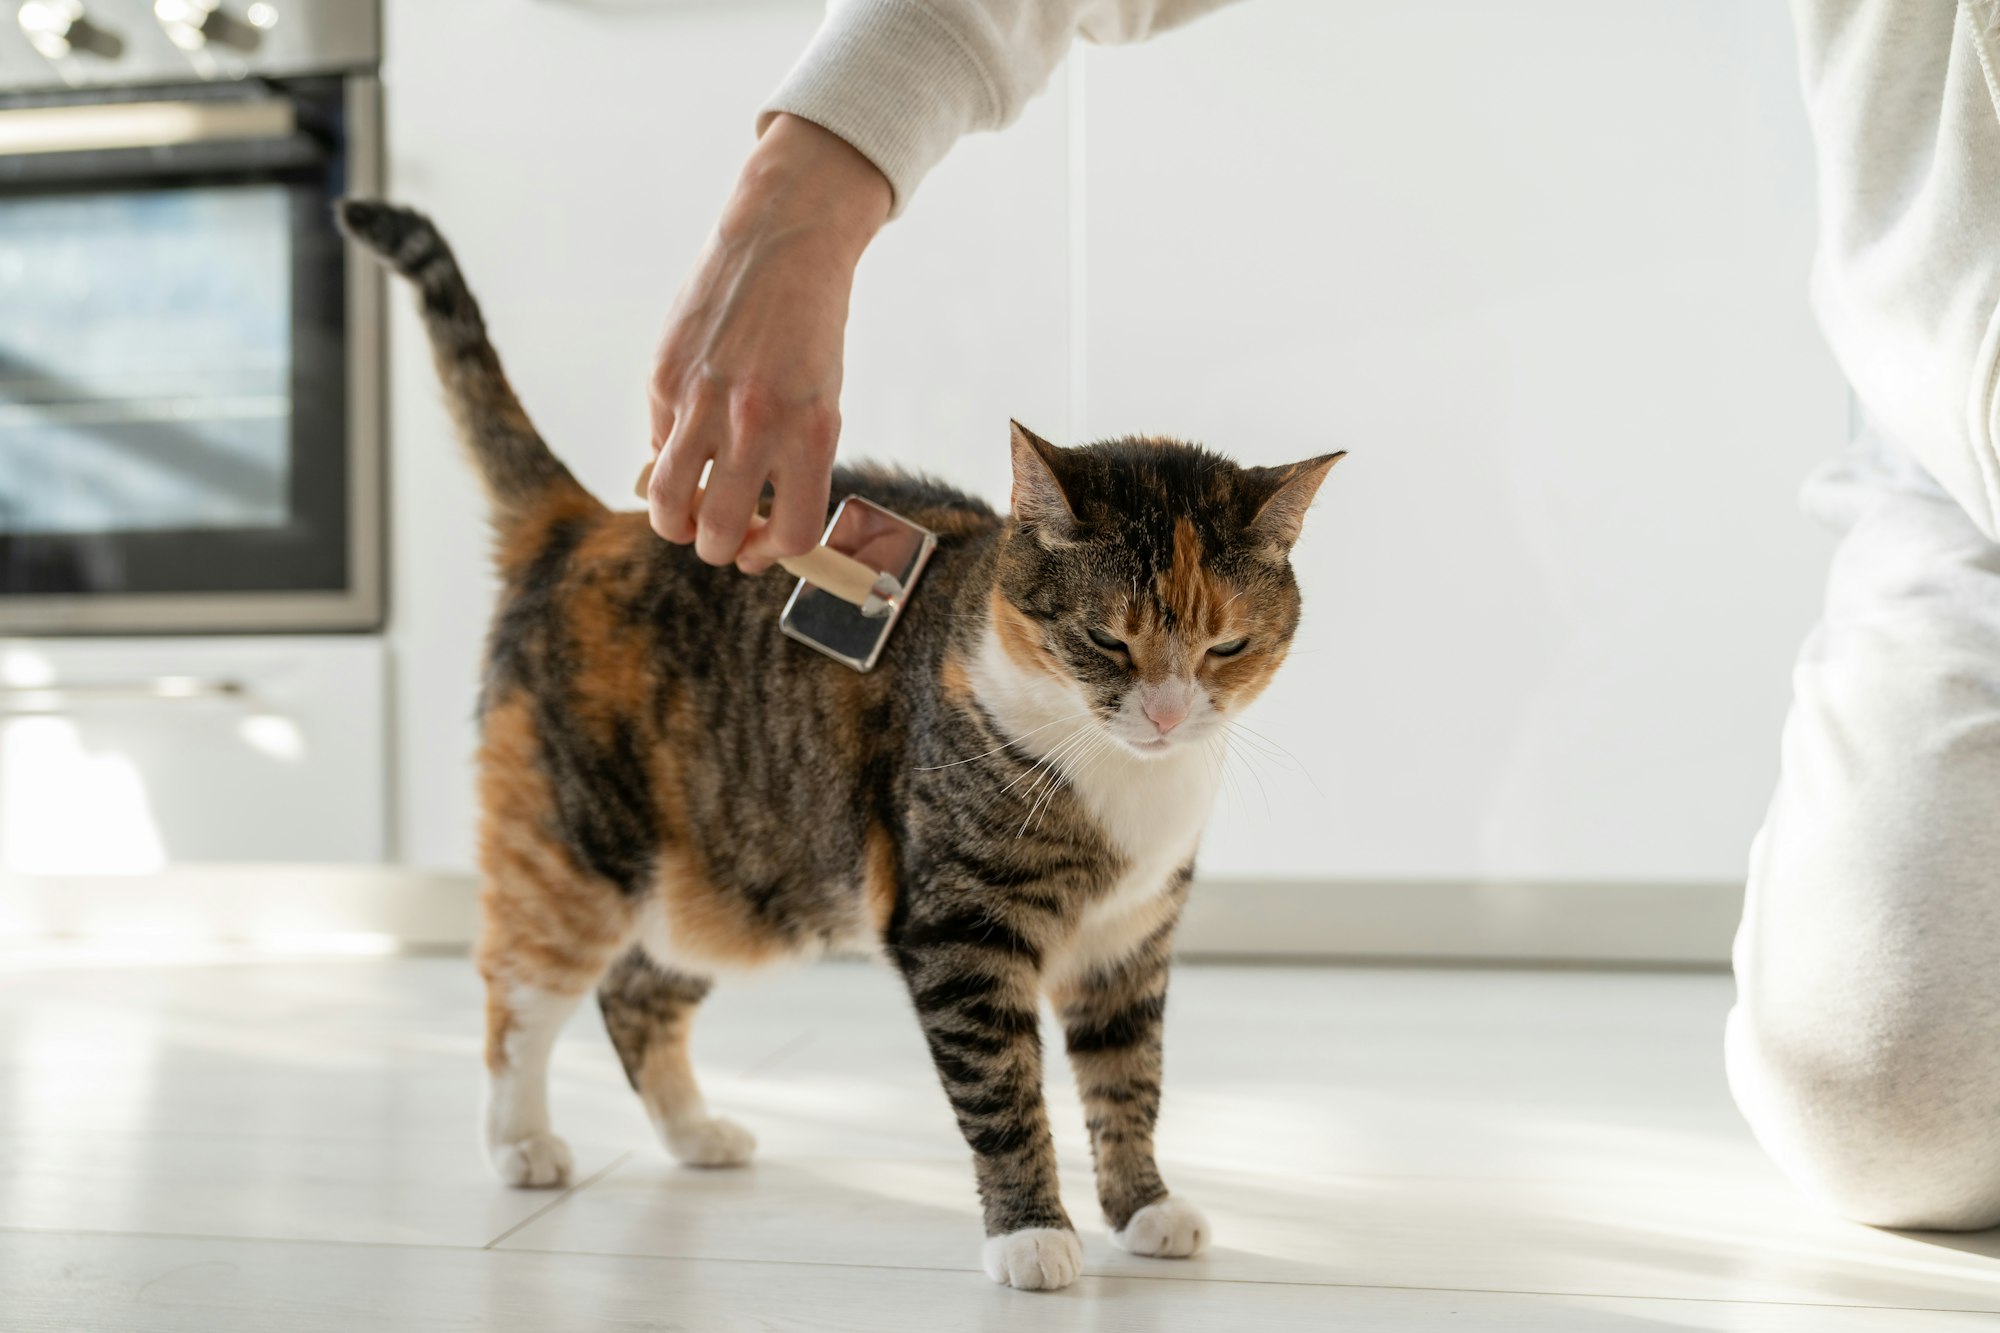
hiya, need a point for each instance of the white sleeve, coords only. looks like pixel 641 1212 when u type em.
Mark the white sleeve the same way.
pixel 901 80
pixel 1904 99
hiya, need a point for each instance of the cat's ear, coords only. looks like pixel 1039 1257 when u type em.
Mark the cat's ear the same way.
pixel 1038 497
pixel 1283 511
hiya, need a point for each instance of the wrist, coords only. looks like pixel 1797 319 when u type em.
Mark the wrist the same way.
pixel 801 176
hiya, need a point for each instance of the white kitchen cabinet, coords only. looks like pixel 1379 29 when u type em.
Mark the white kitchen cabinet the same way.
pixel 123 756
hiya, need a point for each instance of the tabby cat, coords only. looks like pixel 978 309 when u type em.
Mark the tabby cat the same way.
pixel 1006 808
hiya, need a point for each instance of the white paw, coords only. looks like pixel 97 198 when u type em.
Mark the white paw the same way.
pixel 711 1142
pixel 1037 1259
pixel 536 1161
pixel 1168 1228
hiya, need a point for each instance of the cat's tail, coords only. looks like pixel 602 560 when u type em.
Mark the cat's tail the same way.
pixel 519 471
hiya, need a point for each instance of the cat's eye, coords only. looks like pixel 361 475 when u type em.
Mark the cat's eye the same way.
pixel 1106 641
pixel 1230 649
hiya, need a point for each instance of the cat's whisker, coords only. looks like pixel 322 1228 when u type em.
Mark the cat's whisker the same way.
pixel 1068 769
pixel 1250 767
pixel 1220 751
pixel 1009 742
pixel 1092 750
pixel 1218 755
pixel 1245 732
pixel 1052 774
pixel 1070 766
pixel 1049 760
pixel 1097 760
pixel 1298 764
pixel 1040 765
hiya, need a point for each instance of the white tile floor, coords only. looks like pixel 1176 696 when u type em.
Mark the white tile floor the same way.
pixel 288 1146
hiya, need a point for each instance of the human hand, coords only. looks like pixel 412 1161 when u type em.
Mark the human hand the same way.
pixel 748 373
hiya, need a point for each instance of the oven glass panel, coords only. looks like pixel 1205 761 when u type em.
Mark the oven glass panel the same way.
pixel 174 377
pixel 145 360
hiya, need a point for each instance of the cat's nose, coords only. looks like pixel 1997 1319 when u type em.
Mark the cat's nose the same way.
pixel 1165 714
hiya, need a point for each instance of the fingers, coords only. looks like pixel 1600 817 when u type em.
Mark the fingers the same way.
pixel 798 516
pixel 676 473
pixel 742 439
pixel 727 504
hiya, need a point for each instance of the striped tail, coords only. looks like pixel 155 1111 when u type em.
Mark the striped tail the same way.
pixel 515 464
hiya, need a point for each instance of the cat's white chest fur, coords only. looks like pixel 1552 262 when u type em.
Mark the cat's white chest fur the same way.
pixel 1151 810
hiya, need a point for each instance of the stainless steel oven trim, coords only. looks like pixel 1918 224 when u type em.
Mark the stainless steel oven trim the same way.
pixel 101 126
pixel 367 483
pixel 361 605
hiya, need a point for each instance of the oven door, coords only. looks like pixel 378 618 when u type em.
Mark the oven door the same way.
pixel 190 368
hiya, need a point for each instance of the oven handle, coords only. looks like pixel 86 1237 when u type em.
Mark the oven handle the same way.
pixel 127 125
pixel 50 698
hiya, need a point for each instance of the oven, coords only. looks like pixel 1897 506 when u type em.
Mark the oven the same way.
pixel 190 362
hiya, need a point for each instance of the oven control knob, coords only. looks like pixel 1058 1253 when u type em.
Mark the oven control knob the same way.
pixel 202 25
pixel 60 29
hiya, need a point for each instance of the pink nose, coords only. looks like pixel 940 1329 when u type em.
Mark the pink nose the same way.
pixel 1165 715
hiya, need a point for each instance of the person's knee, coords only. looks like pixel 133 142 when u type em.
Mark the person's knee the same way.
pixel 1895 1126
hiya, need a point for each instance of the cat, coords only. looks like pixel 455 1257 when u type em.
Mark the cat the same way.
pixel 1007 808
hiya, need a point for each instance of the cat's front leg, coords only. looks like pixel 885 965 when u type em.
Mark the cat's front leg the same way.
pixel 974 980
pixel 1112 1016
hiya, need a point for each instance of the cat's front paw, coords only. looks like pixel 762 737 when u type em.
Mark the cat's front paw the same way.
pixel 536 1161
pixel 1168 1228
pixel 1034 1259
pixel 711 1142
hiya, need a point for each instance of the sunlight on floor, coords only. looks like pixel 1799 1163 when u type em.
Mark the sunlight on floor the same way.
pixel 1406 1149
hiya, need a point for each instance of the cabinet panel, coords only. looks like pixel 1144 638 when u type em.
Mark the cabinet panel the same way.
pixel 125 756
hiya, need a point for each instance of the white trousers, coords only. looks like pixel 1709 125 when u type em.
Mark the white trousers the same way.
pixel 1864 1047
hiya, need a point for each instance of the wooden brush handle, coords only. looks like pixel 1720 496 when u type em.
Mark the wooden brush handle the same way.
pixel 842 575
pixel 823 567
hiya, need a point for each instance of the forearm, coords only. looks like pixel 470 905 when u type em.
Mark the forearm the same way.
pixel 902 80
pixel 802 176
pixel 748 373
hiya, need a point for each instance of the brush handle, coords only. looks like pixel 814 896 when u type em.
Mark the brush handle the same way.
pixel 823 567
pixel 829 570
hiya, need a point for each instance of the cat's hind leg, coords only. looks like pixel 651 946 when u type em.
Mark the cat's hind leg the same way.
pixel 538 966
pixel 522 1023
pixel 549 932
pixel 648 1010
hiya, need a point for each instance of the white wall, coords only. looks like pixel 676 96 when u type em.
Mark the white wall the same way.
pixel 1539 267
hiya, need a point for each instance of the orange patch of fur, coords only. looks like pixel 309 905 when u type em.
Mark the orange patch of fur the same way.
pixel 878 877
pixel 706 926
pixel 499 1022
pixel 1234 681
pixel 1188 588
pixel 548 924
pixel 522 536
pixel 615 665
pixel 1020 638
pixel 956 679
pixel 666 1080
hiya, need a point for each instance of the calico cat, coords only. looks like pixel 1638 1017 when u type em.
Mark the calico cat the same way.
pixel 1006 808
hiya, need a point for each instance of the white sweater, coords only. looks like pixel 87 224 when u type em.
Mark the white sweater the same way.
pixel 1903 95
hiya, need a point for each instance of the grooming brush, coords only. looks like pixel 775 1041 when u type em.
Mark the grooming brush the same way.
pixel 854 585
